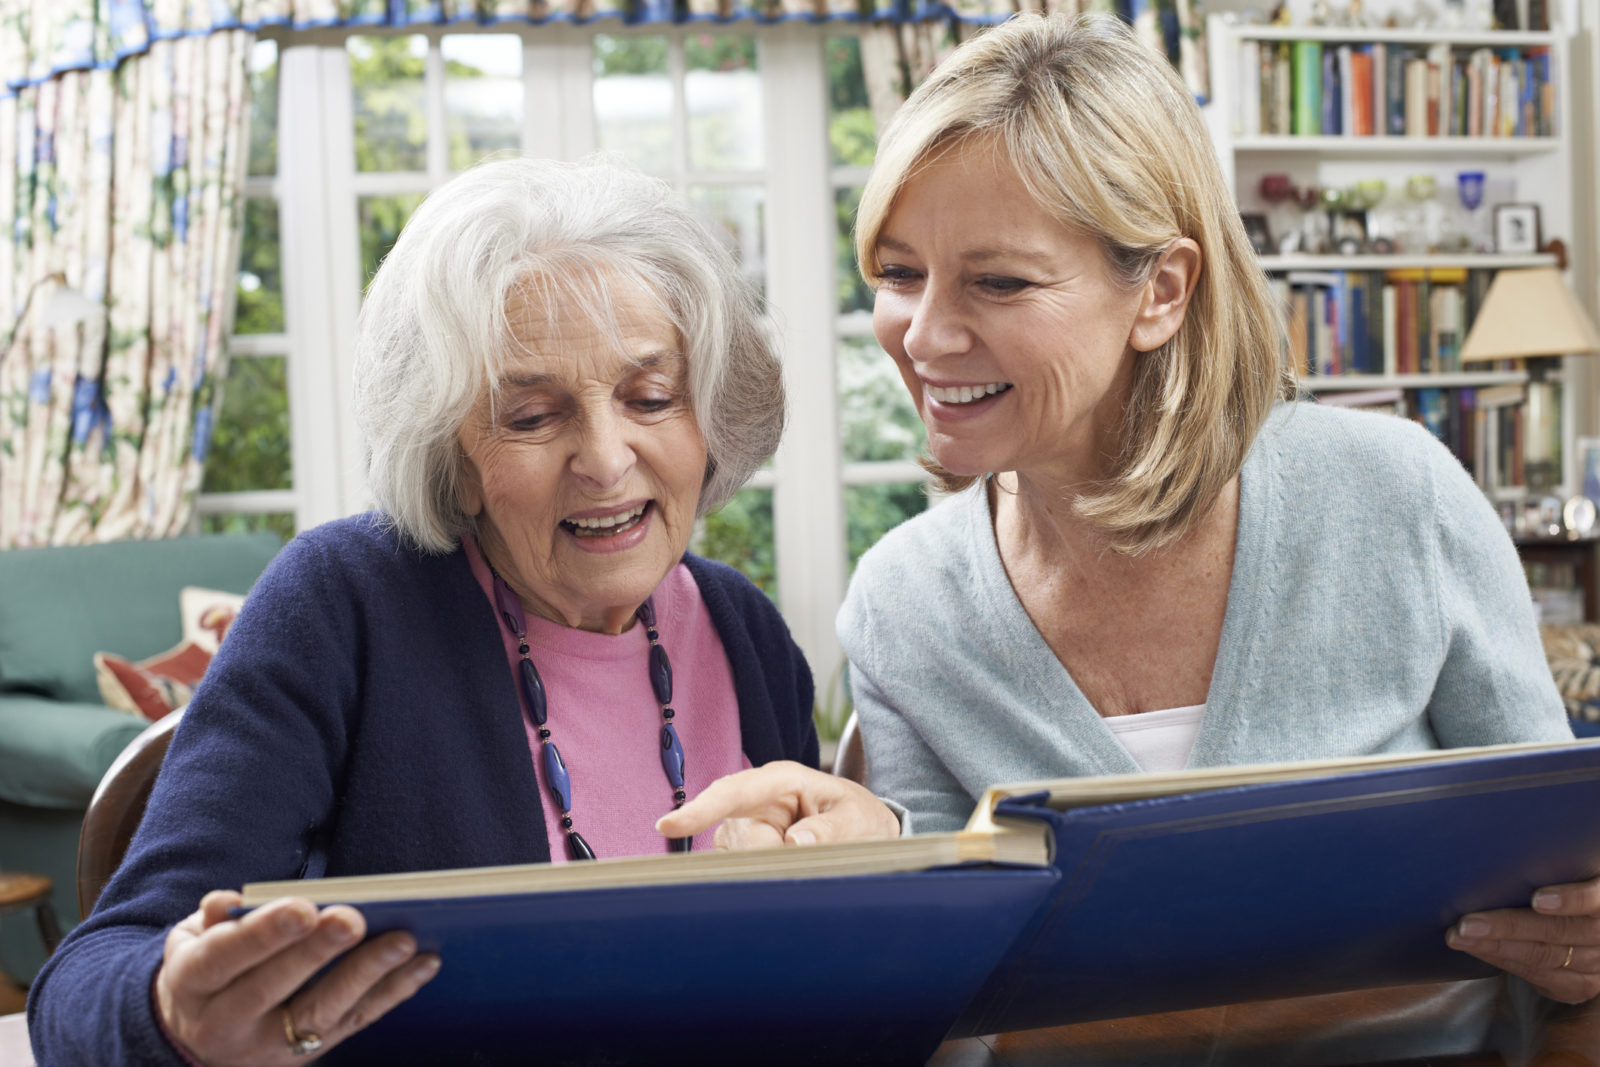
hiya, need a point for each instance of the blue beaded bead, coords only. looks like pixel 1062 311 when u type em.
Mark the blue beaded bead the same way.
pixel 661 674
pixel 555 773
pixel 672 756
pixel 533 692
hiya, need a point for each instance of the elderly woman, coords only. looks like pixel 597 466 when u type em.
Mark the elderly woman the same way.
pixel 513 660
pixel 1149 561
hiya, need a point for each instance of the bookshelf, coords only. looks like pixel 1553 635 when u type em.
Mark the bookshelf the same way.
pixel 1283 157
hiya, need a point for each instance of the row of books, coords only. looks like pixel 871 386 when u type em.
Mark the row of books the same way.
pixel 1391 89
pixel 1409 321
pixel 1499 433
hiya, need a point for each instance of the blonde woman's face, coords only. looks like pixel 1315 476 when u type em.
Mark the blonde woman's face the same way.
pixel 1007 328
pixel 586 475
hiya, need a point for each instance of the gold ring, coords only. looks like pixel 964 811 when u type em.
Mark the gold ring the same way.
pixel 299 1044
pixel 1568 961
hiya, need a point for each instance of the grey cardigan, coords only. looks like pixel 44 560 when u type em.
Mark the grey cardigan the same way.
pixel 1376 605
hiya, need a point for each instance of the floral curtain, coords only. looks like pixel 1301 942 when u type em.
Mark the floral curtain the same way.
pixel 124 180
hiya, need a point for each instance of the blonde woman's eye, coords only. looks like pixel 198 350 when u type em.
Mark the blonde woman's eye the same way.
pixel 1004 285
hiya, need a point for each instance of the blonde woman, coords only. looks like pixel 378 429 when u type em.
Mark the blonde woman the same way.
pixel 1150 559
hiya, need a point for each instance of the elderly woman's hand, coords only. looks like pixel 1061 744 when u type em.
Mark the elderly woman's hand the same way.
pixel 782 803
pixel 1555 945
pixel 226 989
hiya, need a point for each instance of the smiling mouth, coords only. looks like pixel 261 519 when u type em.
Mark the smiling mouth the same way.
pixel 966 394
pixel 606 525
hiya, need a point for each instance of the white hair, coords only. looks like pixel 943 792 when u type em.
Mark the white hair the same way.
pixel 433 333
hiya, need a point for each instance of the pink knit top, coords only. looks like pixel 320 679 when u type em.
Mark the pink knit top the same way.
pixel 605 719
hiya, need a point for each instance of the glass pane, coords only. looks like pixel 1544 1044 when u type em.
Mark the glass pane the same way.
pixel 854 293
pixel 877 420
pixel 722 91
pixel 482 96
pixel 851 131
pixel 264 108
pixel 260 304
pixel 870 511
pixel 250 445
pixel 279 522
pixel 736 213
pixel 633 99
pixel 381 218
pixel 740 535
pixel 391 125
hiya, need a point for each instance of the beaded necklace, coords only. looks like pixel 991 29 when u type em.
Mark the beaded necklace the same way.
pixel 556 776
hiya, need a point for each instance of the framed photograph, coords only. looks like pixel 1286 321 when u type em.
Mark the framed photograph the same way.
pixel 1260 234
pixel 1589 467
pixel 1516 228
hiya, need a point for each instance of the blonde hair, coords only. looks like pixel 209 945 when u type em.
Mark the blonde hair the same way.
pixel 433 331
pixel 1109 142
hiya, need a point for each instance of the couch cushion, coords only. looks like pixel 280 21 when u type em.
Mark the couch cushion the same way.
pixel 64 604
pixel 55 752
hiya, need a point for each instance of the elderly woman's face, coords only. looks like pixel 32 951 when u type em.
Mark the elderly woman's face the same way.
pixel 1008 329
pixel 586 475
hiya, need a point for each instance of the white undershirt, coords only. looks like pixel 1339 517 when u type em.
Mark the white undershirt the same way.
pixel 1158 740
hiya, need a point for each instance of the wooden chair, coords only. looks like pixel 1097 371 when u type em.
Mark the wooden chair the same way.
pixel 117 806
pixel 850 758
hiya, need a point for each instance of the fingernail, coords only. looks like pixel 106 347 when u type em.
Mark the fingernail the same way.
pixel 1473 928
pixel 1547 900
pixel 342 933
pixel 293 920
pixel 803 837
pixel 397 951
pixel 425 968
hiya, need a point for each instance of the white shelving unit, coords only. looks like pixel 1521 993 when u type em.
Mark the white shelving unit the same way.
pixel 1536 170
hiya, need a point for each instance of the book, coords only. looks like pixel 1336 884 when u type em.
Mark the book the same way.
pixel 1307 88
pixel 1123 895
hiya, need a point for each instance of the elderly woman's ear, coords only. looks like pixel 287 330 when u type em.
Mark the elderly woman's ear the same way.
pixel 469 486
pixel 1166 295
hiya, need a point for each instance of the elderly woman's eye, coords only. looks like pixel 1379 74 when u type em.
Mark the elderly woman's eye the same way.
pixel 654 403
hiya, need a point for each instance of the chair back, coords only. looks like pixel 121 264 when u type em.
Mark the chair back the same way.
pixel 850 758
pixel 117 806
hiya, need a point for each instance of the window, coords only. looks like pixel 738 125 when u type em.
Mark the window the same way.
pixel 764 130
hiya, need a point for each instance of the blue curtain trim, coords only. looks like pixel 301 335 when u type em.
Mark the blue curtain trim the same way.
pixel 646 14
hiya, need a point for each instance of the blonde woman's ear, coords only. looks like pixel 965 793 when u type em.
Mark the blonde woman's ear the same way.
pixel 1167 295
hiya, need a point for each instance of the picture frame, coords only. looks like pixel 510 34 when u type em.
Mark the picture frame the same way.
pixel 1516 228
pixel 1588 450
pixel 1260 234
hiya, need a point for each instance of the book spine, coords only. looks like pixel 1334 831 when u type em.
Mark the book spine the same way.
pixel 1344 76
pixel 1329 121
pixel 1360 93
pixel 1378 61
pixel 1247 109
pixel 1416 96
pixel 1391 349
pixel 1394 80
pixel 1307 88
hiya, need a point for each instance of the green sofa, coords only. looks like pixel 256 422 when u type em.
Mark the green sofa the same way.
pixel 58 607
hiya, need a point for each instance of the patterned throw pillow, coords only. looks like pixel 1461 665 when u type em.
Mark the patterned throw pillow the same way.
pixel 1573 652
pixel 152 687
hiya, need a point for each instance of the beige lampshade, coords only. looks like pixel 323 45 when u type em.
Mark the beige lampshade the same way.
pixel 1530 313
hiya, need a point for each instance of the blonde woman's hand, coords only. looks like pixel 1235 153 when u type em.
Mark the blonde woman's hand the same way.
pixel 782 803
pixel 1555 944
pixel 229 990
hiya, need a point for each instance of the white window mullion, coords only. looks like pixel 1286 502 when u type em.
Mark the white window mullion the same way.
pixel 343 291
pixel 307 117
pixel 808 506
pixel 558 93
pixel 438 143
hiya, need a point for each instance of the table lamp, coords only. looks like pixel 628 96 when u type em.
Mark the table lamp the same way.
pixel 1530 314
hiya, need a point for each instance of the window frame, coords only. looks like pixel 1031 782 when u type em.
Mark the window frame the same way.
pixel 317 190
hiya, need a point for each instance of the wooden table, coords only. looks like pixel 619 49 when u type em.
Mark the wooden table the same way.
pixel 1459 1024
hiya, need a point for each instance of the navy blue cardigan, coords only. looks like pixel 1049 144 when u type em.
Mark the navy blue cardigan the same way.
pixel 359 719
